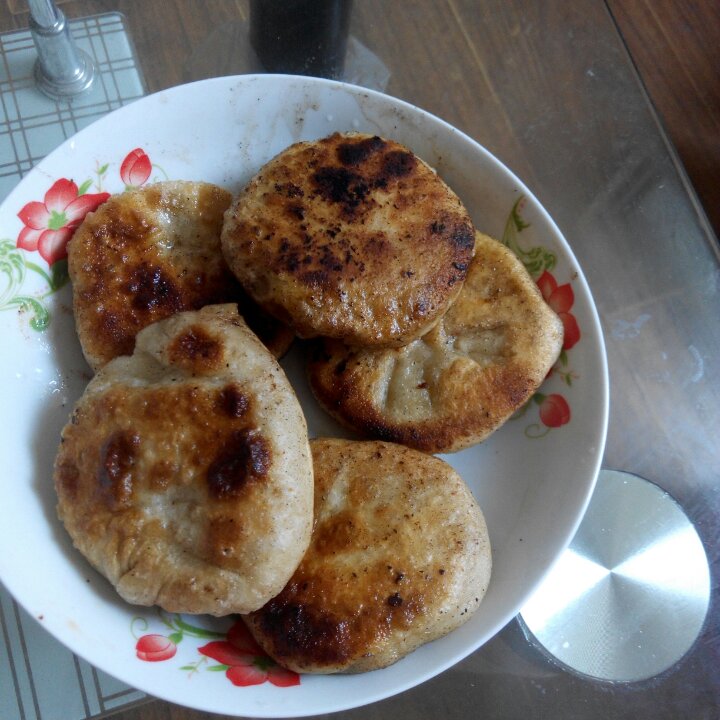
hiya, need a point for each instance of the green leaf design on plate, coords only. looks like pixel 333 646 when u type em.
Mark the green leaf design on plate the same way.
pixel 219 668
pixel 12 268
pixel 536 431
pixel 178 623
pixel 40 316
pixel 536 259
pixel 84 187
pixel 59 274
pixel 13 271
pixel 195 667
pixel 138 626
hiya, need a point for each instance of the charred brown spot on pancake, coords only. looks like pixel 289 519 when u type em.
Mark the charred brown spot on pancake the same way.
pixel 288 257
pixel 322 264
pixel 330 257
pixel 118 228
pixel 295 210
pixel 289 190
pixel 67 475
pixel 244 458
pixel 152 288
pixel 321 619
pixel 306 633
pixel 315 278
pixel 339 185
pixel 463 237
pixel 196 350
pixel 378 246
pixel 355 152
pixel 458 233
pixel 397 164
pixel 115 475
pixel 233 402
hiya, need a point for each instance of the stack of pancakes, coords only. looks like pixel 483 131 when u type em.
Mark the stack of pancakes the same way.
pixel 185 474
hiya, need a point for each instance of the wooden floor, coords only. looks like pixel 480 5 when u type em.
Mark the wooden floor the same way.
pixel 675 45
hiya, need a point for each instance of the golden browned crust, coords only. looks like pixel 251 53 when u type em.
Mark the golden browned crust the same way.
pixel 146 254
pixel 399 556
pixel 351 237
pixel 463 379
pixel 184 474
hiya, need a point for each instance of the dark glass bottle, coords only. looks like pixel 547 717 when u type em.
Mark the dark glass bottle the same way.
pixel 301 37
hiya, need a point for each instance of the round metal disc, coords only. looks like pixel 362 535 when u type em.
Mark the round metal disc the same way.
pixel 629 596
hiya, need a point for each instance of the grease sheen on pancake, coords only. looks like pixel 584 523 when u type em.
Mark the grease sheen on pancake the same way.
pixel 148 253
pixel 351 237
pixel 184 474
pixel 399 556
pixel 462 380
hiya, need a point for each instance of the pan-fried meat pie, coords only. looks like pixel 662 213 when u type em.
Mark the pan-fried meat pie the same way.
pixel 146 254
pixel 184 475
pixel 351 237
pixel 399 556
pixel 459 382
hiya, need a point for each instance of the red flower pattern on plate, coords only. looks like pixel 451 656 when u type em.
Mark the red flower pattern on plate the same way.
pixel 135 168
pixel 50 224
pixel 561 298
pixel 247 664
pixel 154 648
pixel 554 410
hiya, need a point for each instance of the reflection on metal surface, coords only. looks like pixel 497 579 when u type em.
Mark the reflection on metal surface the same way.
pixel 62 70
pixel 629 596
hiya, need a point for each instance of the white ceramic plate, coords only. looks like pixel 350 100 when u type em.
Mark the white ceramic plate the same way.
pixel 533 478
